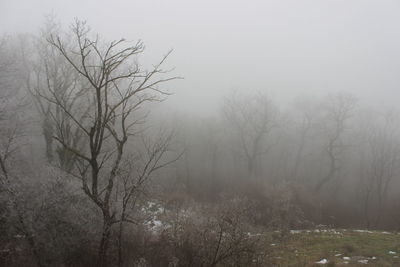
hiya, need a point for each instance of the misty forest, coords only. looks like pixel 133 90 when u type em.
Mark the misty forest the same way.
pixel 115 153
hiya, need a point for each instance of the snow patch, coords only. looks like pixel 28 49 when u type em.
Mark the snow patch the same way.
pixel 363 231
pixel 323 261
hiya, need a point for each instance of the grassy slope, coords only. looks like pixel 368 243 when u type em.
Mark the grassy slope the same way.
pixel 306 248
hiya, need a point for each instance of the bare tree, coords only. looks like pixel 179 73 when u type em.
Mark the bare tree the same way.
pixel 335 117
pixel 51 76
pixel 383 164
pixel 12 105
pixel 303 129
pixel 117 89
pixel 253 119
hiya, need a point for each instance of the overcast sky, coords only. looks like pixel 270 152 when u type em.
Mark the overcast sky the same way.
pixel 283 47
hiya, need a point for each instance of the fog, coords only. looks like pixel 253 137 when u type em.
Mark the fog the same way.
pixel 285 48
pixel 199 133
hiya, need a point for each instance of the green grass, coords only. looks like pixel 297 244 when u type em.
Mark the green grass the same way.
pixel 306 248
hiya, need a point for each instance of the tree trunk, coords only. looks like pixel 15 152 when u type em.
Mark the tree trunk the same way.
pixel 120 235
pixel 332 169
pixel 104 243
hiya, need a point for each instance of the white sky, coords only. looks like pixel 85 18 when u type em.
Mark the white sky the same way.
pixel 285 47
